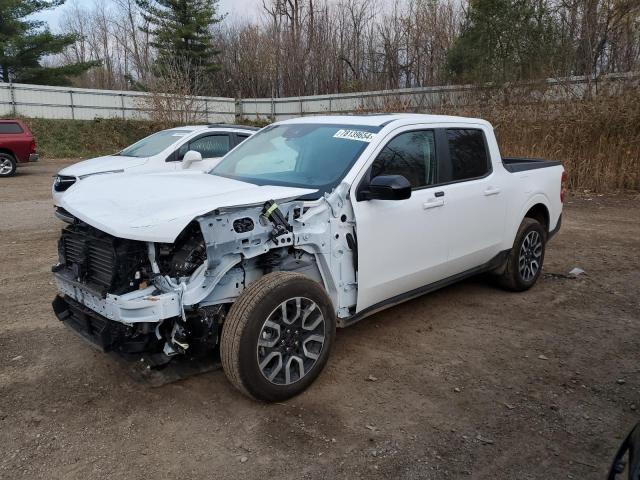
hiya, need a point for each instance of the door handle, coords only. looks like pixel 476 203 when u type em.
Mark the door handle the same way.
pixel 432 204
pixel 492 191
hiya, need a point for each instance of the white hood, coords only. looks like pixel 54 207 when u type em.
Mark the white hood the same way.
pixel 156 207
pixel 108 163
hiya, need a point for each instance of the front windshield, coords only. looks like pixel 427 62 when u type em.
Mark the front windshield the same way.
pixel 299 155
pixel 153 144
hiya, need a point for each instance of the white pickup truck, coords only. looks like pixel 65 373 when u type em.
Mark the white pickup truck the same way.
pixel 311 224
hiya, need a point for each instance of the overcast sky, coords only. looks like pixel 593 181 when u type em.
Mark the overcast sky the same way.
pixel 236 9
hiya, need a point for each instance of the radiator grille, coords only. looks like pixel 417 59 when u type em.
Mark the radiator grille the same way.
pixel 102 262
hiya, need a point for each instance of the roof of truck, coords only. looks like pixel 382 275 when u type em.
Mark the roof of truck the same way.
pixel 380 120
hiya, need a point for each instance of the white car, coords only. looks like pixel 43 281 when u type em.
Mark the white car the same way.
pixel 167 150
pixel 311 224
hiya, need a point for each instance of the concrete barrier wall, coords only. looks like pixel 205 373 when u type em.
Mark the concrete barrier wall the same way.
pixel 87 104
pixel 433 98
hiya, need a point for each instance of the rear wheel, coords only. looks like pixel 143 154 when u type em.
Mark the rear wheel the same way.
pixel 524 263
pixel 7 165
pixel 277 336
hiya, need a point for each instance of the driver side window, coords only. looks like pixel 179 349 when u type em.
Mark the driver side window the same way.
pixel 410 154
pixel 211 146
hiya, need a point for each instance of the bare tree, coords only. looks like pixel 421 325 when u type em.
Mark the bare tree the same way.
pixel 306 47
pixel 174 97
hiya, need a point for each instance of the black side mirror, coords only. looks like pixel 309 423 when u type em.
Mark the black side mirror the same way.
pixel 386 187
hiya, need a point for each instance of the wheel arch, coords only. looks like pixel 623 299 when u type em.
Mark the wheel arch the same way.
pixel 537 207
pixel 8 152
pixel 540 213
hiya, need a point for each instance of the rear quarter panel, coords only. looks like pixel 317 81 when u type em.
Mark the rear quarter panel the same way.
pixel 527 189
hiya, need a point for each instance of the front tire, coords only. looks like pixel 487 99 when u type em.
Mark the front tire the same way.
pixel 277 336
pixel 7 165
pixel 524 263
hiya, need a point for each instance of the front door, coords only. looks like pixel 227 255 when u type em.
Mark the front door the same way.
pixel 402 243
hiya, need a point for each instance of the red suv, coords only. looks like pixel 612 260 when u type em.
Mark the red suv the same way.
pixel 17 146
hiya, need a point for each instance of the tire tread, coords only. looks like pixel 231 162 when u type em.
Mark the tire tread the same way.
pixel 237 319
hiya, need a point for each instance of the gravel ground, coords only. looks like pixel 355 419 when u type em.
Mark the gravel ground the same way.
pixel 468 382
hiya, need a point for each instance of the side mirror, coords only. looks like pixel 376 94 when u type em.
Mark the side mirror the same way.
pixel 190 157
pixel 387 187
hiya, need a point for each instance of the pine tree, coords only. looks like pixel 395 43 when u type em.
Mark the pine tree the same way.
pixel 181 33
pixel 24 42
pixel 504 40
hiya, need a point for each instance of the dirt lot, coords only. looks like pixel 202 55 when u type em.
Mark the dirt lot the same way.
pixel 472 382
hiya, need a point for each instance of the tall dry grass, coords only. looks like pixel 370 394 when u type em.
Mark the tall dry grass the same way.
pixel 597 137
pixel 598 140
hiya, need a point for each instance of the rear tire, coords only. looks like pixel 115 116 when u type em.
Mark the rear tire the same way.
pixel 524 263
pixel 7 165
pixel 277 336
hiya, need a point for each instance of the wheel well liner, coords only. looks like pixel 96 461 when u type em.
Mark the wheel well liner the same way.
pixel 8 152
pixel 540 213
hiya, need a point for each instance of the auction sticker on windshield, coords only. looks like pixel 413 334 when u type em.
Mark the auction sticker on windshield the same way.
pixel 355 135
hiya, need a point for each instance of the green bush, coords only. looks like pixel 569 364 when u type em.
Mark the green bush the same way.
pixel 91 138
pixel 86 138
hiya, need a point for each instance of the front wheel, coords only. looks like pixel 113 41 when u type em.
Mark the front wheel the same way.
pixel 7 165
pixel 277 336
pixel 524 263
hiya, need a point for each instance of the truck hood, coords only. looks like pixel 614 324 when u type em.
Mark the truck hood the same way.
pixel 156 207
pixel 108 163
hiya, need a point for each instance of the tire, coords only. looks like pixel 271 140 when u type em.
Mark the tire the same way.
pixel 251 347
pixel 525 261
pixel 7 165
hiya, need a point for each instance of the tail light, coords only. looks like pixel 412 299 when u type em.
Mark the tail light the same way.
pixel 563 186
pixel 33 146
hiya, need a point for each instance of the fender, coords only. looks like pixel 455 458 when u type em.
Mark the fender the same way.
pixel 538 198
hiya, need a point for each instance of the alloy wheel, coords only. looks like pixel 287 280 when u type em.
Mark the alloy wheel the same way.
pixel 529 259
pixel 290 341
pixel 5 166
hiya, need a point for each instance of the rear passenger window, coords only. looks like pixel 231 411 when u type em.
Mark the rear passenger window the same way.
pixel 410 154
pixel 468 154
pixel 10 128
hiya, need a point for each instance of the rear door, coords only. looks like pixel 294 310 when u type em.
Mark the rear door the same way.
pixel 402 244
pixel 474 196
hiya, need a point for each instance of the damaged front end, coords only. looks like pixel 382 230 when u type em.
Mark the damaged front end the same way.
pixel 125 296
pixel 164 300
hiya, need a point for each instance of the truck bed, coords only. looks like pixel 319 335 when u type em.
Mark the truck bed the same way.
pixel 520 164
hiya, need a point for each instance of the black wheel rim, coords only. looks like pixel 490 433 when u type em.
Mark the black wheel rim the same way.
pixel 530 256
pixel 290 341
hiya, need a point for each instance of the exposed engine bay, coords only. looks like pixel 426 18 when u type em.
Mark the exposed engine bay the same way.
pixel 168 299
